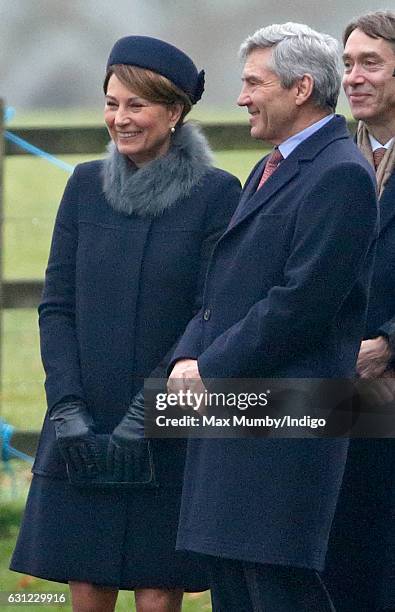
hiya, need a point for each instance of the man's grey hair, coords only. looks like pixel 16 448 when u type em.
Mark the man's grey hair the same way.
pixel 299 50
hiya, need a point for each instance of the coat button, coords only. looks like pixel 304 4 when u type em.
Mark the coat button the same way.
pixel 207 314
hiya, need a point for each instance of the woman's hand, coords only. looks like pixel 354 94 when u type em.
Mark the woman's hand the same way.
pixel 75 435
pixel 128 456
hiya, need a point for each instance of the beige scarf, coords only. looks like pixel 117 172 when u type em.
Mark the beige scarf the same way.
pixel 386 167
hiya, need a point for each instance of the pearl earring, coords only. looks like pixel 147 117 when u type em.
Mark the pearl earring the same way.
pixel 172 130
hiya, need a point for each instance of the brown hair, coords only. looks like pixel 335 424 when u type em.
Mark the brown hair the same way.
pixel 380 24
pixel 150 85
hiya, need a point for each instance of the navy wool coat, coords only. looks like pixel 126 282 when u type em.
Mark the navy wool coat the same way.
pixel 119 291
pixel 285 296
pixel 361 557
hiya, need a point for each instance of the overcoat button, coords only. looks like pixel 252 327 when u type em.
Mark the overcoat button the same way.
pixel 207 314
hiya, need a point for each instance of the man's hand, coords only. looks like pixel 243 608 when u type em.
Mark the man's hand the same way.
pixel 376 393
pixel 186 377
pixel 377 386
pixel 373 358
pixel 183 376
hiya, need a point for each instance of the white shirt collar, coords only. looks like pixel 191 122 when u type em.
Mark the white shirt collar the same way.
pixel 375 144
pixel 291 143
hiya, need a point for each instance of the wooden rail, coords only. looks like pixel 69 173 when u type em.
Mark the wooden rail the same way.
pixel 22 293
pixel 94 139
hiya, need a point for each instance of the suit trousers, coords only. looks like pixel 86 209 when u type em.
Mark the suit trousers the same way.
pixel 240 586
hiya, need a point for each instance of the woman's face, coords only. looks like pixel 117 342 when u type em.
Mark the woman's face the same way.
pixel 139 129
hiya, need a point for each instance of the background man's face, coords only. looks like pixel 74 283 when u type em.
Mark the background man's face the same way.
pixel 272 108
pixel 368 81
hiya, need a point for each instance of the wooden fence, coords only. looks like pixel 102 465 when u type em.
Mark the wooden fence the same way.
pixel 85 141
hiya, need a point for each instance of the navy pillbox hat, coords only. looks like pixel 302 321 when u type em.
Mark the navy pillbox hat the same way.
pixel 160 57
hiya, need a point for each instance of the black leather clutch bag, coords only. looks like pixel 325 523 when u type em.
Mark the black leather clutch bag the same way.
pixel 141 470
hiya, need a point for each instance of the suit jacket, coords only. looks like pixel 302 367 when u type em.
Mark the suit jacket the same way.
pixel 285 296
pixel 381 308
pixel 360 572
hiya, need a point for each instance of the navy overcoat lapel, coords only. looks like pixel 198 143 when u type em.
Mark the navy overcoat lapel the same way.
pixel 251 200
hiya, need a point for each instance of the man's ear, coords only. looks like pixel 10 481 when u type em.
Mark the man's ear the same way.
pixel 304 89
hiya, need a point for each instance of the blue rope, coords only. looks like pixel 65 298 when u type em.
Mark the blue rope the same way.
pixel 23 144
pixel 6 430
pixel 38 152
pixel 9 112
pixel 7 451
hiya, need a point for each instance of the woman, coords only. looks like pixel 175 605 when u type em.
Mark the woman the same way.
pixel 130 247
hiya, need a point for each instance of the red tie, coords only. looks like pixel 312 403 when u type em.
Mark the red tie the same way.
pixel 378 155
pixel 271 165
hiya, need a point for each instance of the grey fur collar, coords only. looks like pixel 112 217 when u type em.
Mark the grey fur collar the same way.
pixel 155 187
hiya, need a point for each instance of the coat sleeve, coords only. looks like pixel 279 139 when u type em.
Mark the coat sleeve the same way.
pixel 387 329
pixel 334 230
pixel 58 337
pixel 222 199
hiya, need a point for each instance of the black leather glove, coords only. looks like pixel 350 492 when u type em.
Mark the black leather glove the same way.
pixel 129 457
pixel 75 435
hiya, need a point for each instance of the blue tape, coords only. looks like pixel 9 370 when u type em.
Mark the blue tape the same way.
pixel 9 113
pixel 19 455
pixel 7 430
pixel 38 152
pixel 7 451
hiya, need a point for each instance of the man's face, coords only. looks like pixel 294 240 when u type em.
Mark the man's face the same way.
pixel 272 108
pixel 368 82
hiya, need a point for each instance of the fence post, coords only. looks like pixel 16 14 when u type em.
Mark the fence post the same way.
pixel 1 242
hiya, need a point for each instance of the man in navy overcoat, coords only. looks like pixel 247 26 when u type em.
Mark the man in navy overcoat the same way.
pixel 285 297
pixel 361 559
